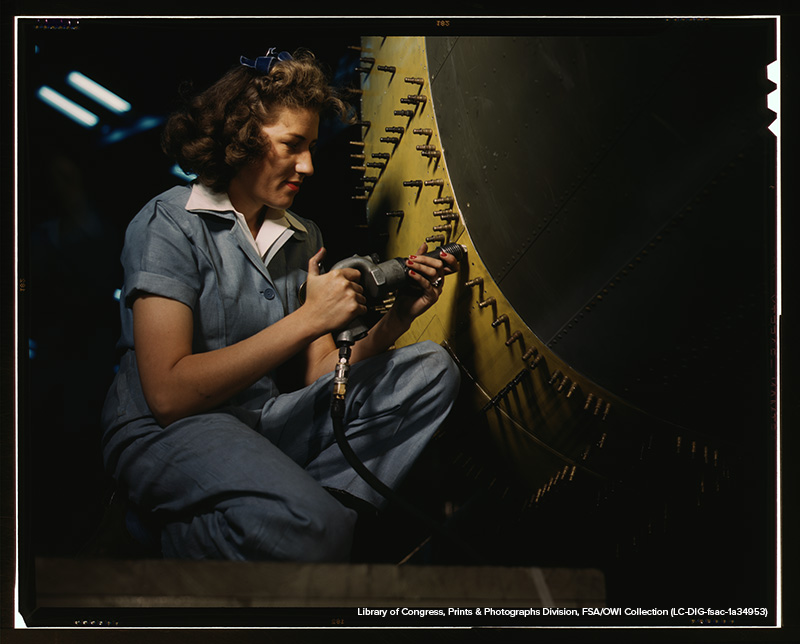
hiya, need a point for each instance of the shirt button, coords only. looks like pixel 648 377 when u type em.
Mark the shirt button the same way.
pixel 269 294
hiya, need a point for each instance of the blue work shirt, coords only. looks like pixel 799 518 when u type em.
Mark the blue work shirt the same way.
pixel 206 260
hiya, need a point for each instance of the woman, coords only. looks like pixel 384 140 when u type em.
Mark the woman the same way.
pixel 196 429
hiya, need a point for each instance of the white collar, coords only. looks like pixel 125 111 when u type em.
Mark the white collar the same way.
pixel 203 198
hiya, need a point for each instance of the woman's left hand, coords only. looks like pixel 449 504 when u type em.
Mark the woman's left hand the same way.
pixel 429 273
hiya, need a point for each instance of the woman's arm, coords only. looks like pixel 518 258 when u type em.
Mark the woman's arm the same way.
pixel 178 383
pixel 322 355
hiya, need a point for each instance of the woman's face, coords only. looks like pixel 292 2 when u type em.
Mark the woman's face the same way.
pixel 275 178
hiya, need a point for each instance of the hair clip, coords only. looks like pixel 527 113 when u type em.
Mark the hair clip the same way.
pixel 263 64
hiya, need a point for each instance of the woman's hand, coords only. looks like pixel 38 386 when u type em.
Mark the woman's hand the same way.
pixel 335 298
pixel 429 274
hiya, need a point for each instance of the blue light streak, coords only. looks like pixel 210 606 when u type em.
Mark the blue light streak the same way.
pixel 67 107
pixel 97 92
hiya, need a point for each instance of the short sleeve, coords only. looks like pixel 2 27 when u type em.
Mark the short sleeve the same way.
pixel 160 258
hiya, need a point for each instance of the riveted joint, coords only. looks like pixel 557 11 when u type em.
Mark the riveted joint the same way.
pixel 414 99
pixel 517 335
pixel 500 319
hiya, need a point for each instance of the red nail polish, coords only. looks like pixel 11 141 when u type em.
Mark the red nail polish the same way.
pixel 442 254
pixel 412 257
pixel 411 273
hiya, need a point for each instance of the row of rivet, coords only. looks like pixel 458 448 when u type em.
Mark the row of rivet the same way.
pixel 565 473
pixel 366 66
pixel 426 150
pixel 561 381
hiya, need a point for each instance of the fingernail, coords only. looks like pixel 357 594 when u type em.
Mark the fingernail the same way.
pixel 409 263
pixel 412 257
pixel 443 254
pixel 411 273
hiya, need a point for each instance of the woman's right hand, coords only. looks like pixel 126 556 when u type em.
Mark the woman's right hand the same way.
pixel 335 298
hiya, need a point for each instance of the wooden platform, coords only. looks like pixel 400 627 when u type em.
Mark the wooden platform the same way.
pixel 96 583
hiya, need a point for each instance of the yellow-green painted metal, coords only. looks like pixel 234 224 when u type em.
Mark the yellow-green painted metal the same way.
pixel 548 421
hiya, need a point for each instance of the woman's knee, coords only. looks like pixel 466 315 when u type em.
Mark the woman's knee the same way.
pixel 309 529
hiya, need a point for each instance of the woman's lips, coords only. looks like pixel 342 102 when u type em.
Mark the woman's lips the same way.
pixel 293 185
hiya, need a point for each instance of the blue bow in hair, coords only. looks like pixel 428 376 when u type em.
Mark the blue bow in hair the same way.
pixel 263 64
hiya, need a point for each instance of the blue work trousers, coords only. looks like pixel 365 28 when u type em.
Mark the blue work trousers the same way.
pixel 249 485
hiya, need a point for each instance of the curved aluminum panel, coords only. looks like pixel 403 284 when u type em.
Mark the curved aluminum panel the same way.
pixel 617 188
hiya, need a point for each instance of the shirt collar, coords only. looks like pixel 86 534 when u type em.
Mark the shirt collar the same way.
pixel 203 198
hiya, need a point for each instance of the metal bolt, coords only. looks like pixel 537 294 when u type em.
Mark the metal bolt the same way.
pixel 501 319
pixel 517 335
pixel 598 406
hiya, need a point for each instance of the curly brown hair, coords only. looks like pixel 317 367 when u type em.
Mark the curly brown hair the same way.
pixel 220 130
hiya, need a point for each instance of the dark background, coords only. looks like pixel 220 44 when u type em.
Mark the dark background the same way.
pixel 77 194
